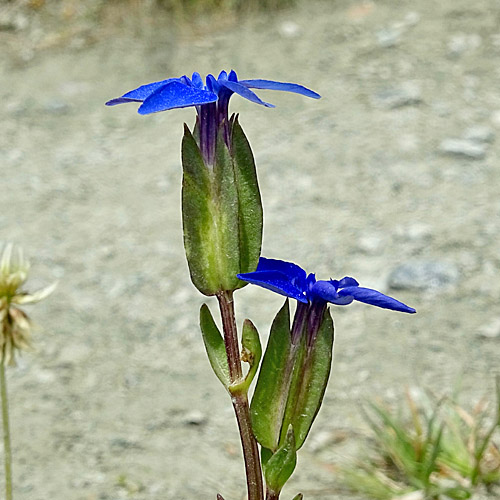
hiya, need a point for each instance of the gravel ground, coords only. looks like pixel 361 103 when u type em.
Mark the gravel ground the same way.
pixel 392 178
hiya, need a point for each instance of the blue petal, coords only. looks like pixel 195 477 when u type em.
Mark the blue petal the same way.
pixel 347 281
pixel 140 93
pixel 374 298
pixel 285 87
pixel 212 84
pixel 232 77
pixel 327 291
pixel 293 272
pixel 197 80
pixel 222 75
pixel 175 95
pixel 277 282
pixel 244 92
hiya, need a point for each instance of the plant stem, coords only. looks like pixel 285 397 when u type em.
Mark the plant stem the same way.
pixel 272 495
pixel 240 399
pixel 6 430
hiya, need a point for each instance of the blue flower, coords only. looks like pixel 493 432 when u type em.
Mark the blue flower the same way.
pixel 184 92
pixel 292 281
pixel 210 99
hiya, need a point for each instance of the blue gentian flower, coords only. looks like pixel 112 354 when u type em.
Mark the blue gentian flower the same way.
pixel 292 281
pixel 210 99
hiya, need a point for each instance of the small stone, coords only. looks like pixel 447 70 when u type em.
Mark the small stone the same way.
pixel 289 29
pixel 423 275
pixel 479 133
pixel 490 330
pixel 412 18
pixel 56 107
pixel 12 21
pixel 124 444
pixel 407 94
pixel 45 376
pixel 463 42
pixel 370 244
pixel 389 37
pixel 463 147
pixel 194 417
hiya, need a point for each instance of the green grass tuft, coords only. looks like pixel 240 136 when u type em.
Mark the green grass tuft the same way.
pixel 429 450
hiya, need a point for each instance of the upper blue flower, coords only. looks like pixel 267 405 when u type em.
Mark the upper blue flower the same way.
pixel 210 99
pixel 292 281
pixel 184 92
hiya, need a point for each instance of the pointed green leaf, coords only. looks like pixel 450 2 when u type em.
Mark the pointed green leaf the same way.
pixel 300 496
pixel 281 465
pixel 198 218
pixel 265 455
pixel 225 195
pixel 309 381
pixel 269 399
pixel 250 204
pixel 251 353
pixel 214 344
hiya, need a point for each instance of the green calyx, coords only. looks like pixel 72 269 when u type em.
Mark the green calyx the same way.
pixel 221 211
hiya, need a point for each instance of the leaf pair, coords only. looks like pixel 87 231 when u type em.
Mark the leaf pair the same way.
pixel 216 350
pixel 221 211
pixel 289 393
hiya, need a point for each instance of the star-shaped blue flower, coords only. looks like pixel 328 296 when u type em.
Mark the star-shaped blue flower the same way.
pixel 184 92
pixel 292 281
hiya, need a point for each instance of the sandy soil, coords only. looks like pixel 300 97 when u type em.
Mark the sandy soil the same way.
pixel 119 400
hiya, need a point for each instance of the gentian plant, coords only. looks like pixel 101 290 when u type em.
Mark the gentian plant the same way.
pixel 222 224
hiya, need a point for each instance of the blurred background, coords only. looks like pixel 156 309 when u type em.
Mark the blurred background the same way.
pixel 392 177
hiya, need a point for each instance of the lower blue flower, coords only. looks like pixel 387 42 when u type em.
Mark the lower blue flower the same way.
pixel 292 281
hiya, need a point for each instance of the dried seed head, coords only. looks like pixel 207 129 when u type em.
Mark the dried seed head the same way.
pixel 15 325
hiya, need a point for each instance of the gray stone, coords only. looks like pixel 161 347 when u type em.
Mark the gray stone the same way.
pixel 389 37
pixel 407 94
pixel 463 147
pixel 423 275
pixel 479 133
pixel 194 417
pixel 490 330
pixel 56 107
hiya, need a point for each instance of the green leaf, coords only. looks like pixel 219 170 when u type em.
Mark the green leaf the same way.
pixel 225 196
pixel 214 345
pixel 198 218
pixel 251 353
pixel 300 496
pixel 281 465
pixel 221 212
pixel 250 204
pixel 309 381
pixel 269 399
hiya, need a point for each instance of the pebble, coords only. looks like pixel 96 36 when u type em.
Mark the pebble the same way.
pixel 479 133
pixel 463 42
pixel 194 417
pixel 289 29
pixel 407 94
pixel 12 21
pixel 490 330
pixel 463 147
pixel 56 107
pixel 388 38
pixel 371 244
pixel 423 275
